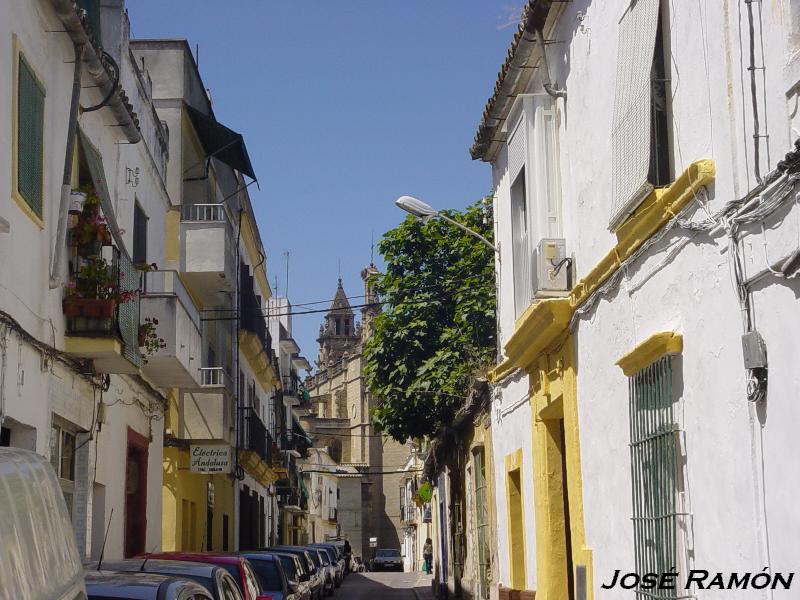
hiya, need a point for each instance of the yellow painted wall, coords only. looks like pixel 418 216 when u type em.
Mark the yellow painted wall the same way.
pixel 184 502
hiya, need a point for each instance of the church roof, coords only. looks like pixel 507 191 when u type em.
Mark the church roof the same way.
pixel 340 302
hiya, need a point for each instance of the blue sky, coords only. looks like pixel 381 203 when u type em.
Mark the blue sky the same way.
pixel 344 106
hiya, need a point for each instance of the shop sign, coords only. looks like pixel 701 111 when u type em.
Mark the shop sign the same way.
pixel 210 458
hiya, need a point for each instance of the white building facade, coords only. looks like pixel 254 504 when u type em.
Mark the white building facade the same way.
pixel 645 208
pixel 81 152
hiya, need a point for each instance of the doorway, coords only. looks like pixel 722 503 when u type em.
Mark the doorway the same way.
pixel 135 494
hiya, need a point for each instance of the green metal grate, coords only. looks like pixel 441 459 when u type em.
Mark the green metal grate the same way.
pixel 482 519
pixel 128 312
pixel 655 474
pixel 30 137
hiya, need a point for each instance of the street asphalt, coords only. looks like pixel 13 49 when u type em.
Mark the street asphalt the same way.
pixel 385 586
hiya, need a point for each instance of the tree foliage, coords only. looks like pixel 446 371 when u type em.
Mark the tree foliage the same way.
pixel 437 330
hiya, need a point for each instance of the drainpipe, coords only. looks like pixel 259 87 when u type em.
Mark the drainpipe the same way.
pixel 115 97
pixel 66 182
pixel 549 87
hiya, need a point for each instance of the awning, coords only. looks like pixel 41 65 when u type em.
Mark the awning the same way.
pixel 96 170
pixel 220 142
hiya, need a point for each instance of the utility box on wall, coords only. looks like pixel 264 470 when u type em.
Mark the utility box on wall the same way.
pixel 551 268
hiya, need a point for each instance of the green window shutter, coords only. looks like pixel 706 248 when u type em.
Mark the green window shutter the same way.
pixel 30 137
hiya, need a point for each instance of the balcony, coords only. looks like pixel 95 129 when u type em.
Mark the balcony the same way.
pixel 102 312
pixel 165 299
pixel 287 343
pixel 204 416
pixel 254 436
pixel 208 257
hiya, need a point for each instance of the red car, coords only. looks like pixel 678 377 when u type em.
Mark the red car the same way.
pixel 237 566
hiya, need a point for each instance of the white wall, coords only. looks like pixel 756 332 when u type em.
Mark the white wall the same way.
pixel 739 458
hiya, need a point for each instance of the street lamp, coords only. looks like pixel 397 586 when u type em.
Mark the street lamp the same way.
pixel 423 211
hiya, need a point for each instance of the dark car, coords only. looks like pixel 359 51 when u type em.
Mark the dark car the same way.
pixel 316 577
pixel 103 585
pixel 295 574
pixel 336 560
pixel 387 558
pixel 214 578
pixel 237 566
pixel 270 574
pixel 328 568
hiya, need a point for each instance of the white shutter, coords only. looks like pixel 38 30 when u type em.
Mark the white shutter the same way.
pixel 630 136
pixel 516 148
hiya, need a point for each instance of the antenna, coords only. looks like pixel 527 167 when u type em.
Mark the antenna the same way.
pixel 286 288
pixel 105 539
pixel 372 249
pixel 340 270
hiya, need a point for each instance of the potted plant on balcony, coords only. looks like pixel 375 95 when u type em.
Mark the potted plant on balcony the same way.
pixel 91 231
pixel 148 338
pixel 95 291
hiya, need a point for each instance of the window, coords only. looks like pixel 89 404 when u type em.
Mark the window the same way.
pixel 639 135
pixel 521 246
pixel 30 137
pixel 338 326
pixel 655 468
pixel 139 235
pixel 347 326
pixel 62 457
pixel 533 166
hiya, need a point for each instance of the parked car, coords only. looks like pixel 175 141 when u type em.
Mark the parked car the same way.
pixel 271 575
pixel 387 558
pixel 237 566
pixel 327 566
pixel 336 560
pixel 36 535
pixel 316 577
pixel 214 578
pixel 296 575
pixel 103 585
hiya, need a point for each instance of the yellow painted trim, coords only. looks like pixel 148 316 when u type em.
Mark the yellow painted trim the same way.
pixel 650 350
pixel 513 462
pixel 545 321
pixel 553 393
pixel 655 212
pixel 172 234
pixel 84 346
pixel 257 468
pixel 15 195
pixel 257 358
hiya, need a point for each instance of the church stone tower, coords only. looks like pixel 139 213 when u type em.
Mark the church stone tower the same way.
pixel 372 308
pixel 337 334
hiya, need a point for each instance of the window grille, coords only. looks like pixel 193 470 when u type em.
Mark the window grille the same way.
pixel 30 137
pixel 655 474
pixel 630 132
pixel 482 522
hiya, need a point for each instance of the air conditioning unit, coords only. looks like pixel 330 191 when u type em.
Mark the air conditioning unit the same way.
pixel 551 268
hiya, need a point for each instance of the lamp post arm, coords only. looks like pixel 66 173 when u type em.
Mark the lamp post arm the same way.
pixel 469 231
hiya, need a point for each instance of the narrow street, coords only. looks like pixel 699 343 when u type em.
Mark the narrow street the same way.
pixel 386 586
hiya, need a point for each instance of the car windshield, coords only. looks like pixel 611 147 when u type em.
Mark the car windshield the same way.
pixel 389 553
pixel 325 559
pixel 289 567
pixel 314 558
pixel 268 575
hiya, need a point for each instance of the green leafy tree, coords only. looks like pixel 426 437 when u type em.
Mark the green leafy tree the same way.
pixel 437 330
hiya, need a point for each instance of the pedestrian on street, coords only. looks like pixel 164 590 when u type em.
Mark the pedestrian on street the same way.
pixel 348 553
pixel 427 554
